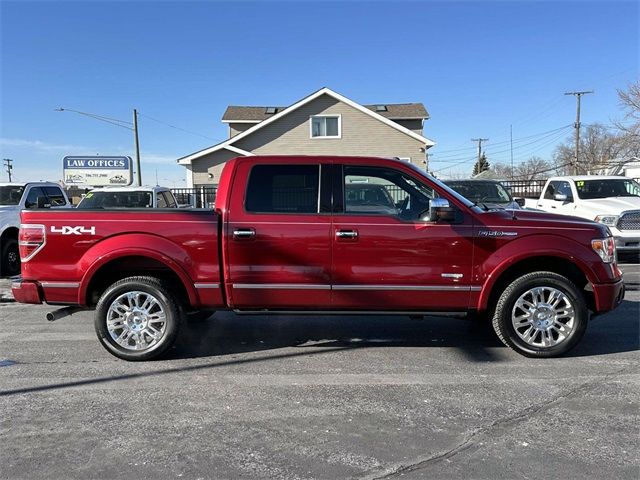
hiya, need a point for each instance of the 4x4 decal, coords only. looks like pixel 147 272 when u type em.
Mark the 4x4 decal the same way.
pixel 77 230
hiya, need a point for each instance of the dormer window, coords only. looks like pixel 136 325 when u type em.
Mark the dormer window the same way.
pixel 326 126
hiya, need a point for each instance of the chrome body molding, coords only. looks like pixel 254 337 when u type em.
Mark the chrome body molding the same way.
pixel 206 285
pixel 456 314
pixel 307 286
pixel 60 284
pixel 282 286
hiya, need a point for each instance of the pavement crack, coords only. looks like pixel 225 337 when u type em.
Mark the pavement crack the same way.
pixel 500 423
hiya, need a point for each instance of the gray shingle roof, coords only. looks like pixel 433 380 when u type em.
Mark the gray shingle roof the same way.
pixel 395 111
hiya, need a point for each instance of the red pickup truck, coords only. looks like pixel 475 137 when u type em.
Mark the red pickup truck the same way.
pixel 321 235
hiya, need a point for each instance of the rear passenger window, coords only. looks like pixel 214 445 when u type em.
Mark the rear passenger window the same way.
pixel 283 189
pixel 170 199
pixel 160 200
pixel 56 198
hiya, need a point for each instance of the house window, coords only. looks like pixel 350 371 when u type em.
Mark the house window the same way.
pixel 326 126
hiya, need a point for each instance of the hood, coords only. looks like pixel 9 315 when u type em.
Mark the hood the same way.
pixel 544 219
pixel 612 205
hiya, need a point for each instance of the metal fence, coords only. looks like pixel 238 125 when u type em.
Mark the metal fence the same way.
pixel 525 188
pixel 199 197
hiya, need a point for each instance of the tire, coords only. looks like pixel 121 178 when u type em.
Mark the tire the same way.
pixel 137 319
pixel 10 258
pixel 541 314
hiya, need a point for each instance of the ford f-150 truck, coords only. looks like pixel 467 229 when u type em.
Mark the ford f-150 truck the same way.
pixel 288 235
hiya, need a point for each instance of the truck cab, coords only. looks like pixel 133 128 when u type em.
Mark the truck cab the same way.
pixel 15 197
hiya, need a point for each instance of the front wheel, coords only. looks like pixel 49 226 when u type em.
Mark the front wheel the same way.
pixel 541 314
pixel 137 318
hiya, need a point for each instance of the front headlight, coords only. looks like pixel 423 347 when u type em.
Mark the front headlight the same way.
pixel 609 220
pixel 605 248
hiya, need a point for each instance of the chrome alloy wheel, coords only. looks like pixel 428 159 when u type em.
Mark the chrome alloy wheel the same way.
pixel 136 320
pixel 543 317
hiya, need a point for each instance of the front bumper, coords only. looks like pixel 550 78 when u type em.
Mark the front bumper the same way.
pixel 608 296
pixel 626 240
pixel 25 291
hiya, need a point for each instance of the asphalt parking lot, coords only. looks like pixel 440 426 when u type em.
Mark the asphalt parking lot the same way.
pixel 313 397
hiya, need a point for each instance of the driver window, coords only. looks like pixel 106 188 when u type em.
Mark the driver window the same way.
pixel 384 191
pixel 565 189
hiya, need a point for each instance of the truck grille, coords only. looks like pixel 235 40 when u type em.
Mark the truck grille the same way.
pixel 629 220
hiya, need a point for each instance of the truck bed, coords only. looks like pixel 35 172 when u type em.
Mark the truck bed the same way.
pixel 183 244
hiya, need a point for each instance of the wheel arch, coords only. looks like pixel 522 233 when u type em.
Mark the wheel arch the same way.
pixel 116 265
pixel 571 268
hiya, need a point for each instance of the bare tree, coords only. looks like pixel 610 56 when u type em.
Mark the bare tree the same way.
pixel 600 149
pixel 630 102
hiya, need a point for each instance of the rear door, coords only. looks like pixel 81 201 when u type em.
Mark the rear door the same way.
pixel 278 237
pixel 384 256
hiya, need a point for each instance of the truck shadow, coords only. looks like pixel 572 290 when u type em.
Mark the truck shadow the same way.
pixel 226 333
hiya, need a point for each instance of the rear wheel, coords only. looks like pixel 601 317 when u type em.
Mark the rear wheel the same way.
pixel 10 258
pixel 541 314
pixel 137 318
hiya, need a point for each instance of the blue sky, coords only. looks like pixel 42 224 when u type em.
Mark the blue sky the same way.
pixel 477 66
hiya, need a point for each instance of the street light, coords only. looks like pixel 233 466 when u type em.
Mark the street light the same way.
pixel 118 123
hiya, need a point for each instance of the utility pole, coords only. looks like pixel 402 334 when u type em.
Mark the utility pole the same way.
pixel 578 95
pixel 479 140
pixel 511 142
pixel 7 163
pixel 137 141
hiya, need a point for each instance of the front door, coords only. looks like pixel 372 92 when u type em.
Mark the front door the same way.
pixel 385 257
pixel 278 238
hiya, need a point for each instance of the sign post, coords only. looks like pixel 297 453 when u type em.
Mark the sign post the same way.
pixel 98 171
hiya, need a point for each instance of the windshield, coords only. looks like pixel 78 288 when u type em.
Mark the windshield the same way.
pixel 443 186
pixel 611 187
pixel 107 199
pixel 11 194
pixel 482 192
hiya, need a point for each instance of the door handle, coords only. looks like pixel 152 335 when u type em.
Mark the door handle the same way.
pixel 347 234
pixel 553 206
pixel 243 233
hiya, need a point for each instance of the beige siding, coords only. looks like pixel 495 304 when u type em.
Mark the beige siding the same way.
pixel 212 163
pixel 236 128
pixel 361 135
pixel 413 125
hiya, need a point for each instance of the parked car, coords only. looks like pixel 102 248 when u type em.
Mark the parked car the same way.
pixel 612 201
pixel 489 193
pixel 128 197
pixel 284 238
pixel 13 198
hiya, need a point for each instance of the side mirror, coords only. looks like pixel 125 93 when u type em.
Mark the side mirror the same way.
pixel 561 197
pixel 520 201
pixel 439 209
pixel 42 202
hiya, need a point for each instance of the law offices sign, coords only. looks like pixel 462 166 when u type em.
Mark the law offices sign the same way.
pixel 97 171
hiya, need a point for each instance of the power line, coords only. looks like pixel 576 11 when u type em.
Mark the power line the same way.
pixel 112 121
pixel 556 134
pixel 177 128
pixel 493 144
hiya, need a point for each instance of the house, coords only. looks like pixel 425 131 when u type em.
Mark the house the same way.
pixel 323 123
